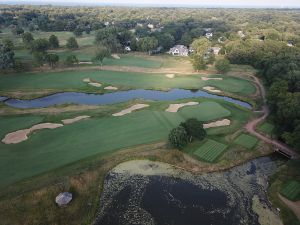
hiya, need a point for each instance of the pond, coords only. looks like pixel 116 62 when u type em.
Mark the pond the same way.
pixel 116 97
pixel 145 192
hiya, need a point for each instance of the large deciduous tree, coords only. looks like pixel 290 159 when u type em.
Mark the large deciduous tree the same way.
pixel 72 43
pixel 194 129
pixel 147 43
pixel 6 57
pixel 222 65
pixel 101 53
pixel 178 137
pixel 53 41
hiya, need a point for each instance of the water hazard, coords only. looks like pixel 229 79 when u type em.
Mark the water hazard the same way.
pixel 144 192
pixel 116 97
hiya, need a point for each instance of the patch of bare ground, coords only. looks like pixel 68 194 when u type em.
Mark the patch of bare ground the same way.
pixel 111 88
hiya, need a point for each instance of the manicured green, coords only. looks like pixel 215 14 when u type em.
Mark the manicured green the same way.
pixel 291 190
pixel 266 128
pixel 73 80
pixel 246 141
pixel 49 149
pixel 211 150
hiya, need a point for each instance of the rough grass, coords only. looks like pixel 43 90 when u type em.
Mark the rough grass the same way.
pixel 210 150
pixel 72 80
pixel 266 128
pixel 246 141
pixel 291 190
pixel 94 136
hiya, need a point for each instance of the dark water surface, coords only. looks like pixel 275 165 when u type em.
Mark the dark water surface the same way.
pixel 116 97
pixel 223 198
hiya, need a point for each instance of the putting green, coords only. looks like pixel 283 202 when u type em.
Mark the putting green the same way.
pixel 210 150
pixel 49 149
pixel 246 141
pixel 291 190
pixel 72 80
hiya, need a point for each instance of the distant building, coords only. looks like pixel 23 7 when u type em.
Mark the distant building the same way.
pixel 150 26
pixel 127 48
pixel 208 35
pixel 216 50
pixel 179 50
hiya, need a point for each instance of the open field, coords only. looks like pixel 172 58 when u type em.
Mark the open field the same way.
pixel 72 80
pixel 98 136
pixel 210 150
pixel 246 141
pixel 266 128
pixel 291 190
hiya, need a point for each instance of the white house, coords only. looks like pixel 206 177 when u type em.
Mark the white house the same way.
pixel 127 48
pixel 208 35
pixel 216 50
pixel 150 26
pixel 241 34
pixel 179 50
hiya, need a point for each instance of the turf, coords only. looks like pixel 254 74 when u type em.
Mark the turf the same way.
pixel 210 150
pixel 291 190
pixel 49 149
pixel 72 80
pixel 246 141
pixel 266 128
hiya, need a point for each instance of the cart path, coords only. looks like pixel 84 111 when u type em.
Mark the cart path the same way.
pixel 251 125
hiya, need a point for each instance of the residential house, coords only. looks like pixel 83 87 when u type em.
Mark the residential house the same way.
pixel 241 34
pixel 290 44
pixel 216 50
pixel 208 35
pixel 179 50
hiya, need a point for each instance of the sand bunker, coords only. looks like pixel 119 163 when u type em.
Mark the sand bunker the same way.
pixel 115 56
pixel 22 135
pixel 130 109
pixel 95 84
pixel 219 123
pixel 111 88
pixel 211 78
pixel 86 63
pixel 73 120
pixel 87 80
pixel 170 75
pixel 175 107
pixel 211 89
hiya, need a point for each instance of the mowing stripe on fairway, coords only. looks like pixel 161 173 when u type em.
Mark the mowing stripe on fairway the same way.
pixel 210 150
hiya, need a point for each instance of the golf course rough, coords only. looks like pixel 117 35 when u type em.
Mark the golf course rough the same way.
pixel 210 150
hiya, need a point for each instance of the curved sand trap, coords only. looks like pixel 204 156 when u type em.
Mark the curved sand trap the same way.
pixel 115 56
pixel 73 120
pixel 22 135
pixel 175 107
pixel 130 109
pixel 218 123
pixel 111 88
pixel 211 78
pixel 95 84
pixel 88 63
pixel 87 80
pixel 170 75
pixel 211 89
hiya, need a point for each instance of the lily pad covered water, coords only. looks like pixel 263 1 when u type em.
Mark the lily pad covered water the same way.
pixel 145 192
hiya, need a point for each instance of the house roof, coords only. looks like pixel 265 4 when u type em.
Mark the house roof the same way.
pixel 180 48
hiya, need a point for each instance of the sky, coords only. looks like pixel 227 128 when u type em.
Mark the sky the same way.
pixel 215 3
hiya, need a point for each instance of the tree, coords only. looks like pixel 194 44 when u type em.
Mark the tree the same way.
pixel 39 57
pixel 78 32
pixel 8 43
pixel 194 129
pixel 201 45
pixel 222 65
pixel 72 43
pixel 52 60
pixel 101 53
pixel 39 45
pixel 53 41
pixel 166 40
pixel 198 62
pixel 107 37
pixel 17 30
pixel 147 43
pixel 178 137
pixel 6 57
pixel 186 39
pixel 27 39
pixel 71 60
